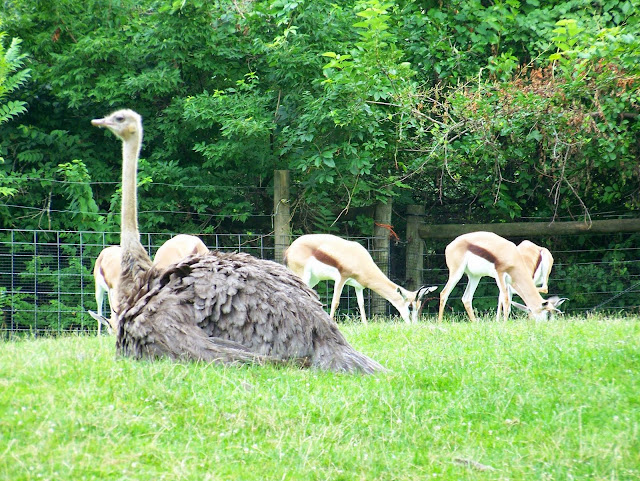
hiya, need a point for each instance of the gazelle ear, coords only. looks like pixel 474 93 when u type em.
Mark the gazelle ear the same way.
pixel 424 290
pixel 553 302
pixel 522 307
pixel 401 292
pixel 101 319
pixel 557 301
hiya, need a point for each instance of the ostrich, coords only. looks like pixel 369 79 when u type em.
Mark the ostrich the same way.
pixel 218 307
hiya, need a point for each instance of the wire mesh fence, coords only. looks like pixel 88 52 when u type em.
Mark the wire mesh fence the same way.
pixel 47 284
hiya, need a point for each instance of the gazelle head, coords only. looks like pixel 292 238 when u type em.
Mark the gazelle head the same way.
pixel 412 302
pixel 547 310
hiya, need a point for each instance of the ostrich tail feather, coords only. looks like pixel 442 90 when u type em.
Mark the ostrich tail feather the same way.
pixel 344 358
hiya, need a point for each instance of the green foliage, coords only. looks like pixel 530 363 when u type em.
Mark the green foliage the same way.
pixel 11 109
pixel 555 139
pixel 13 75
pixel 515 108
pixel 47 291
pixel 79 193
pixel 349 134
pixel 37 157
pixel 607 277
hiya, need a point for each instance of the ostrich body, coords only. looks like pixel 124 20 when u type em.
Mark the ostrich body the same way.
pixel 216 307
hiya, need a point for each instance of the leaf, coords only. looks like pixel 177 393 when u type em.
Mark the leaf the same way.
pixel 12 109
pixel 534 135
pixel 329 163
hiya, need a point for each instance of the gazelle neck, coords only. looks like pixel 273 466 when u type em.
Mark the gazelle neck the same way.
pixel 523 284
pixel 384 287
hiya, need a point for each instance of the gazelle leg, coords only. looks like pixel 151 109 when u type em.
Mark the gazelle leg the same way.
pixel 454 277
pixel 360 298
pixel 100 302
pixel 505 296
pixel 467 297
pixel 501 305
pixel 510 296
pixel 337 292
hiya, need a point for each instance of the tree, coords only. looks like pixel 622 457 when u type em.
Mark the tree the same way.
pixel 13 75
pixel 479 109
pixel 554 139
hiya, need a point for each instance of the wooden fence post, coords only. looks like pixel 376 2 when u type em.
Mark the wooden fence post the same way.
pixel 415 247
pixel 380 254
pixel 281 213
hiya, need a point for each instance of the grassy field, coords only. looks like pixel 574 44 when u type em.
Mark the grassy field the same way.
pixel 520 401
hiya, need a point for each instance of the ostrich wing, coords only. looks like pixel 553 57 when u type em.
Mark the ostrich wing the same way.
pixel 261 309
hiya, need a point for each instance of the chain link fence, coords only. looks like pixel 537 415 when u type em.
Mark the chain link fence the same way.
pixel 47 284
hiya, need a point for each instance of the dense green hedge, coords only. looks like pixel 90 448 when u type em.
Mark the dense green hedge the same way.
pixel 485 110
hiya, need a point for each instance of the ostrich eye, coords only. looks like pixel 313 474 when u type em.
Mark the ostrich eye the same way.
pixel 120 118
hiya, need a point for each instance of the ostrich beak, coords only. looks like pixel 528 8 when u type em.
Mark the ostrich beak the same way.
pixel 99 122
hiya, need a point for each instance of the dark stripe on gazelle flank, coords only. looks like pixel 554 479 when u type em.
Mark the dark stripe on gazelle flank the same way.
pixel 535 269
pixel 484 253
pixel 326 259
pixel 104 278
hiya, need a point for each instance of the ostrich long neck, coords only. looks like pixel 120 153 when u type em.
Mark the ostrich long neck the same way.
pixel 135 259
pixel 129 234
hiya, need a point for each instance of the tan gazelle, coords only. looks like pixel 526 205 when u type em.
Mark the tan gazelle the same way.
pixel 317 257
pixel 480 254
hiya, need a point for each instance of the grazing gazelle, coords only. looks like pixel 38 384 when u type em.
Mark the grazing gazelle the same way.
pixel 177 248
pixel 539 262
pixel 106 273
pixel 319 257
pixel 107 269
pixel 480 254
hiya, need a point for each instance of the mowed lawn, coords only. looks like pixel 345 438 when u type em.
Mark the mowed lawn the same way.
pixel 521 400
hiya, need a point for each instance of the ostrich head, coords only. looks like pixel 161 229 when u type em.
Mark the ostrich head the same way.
pixel 126 124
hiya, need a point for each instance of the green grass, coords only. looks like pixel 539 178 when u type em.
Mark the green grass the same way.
pixel 519 401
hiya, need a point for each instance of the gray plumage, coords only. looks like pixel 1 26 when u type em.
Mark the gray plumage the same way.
pixel 217 307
